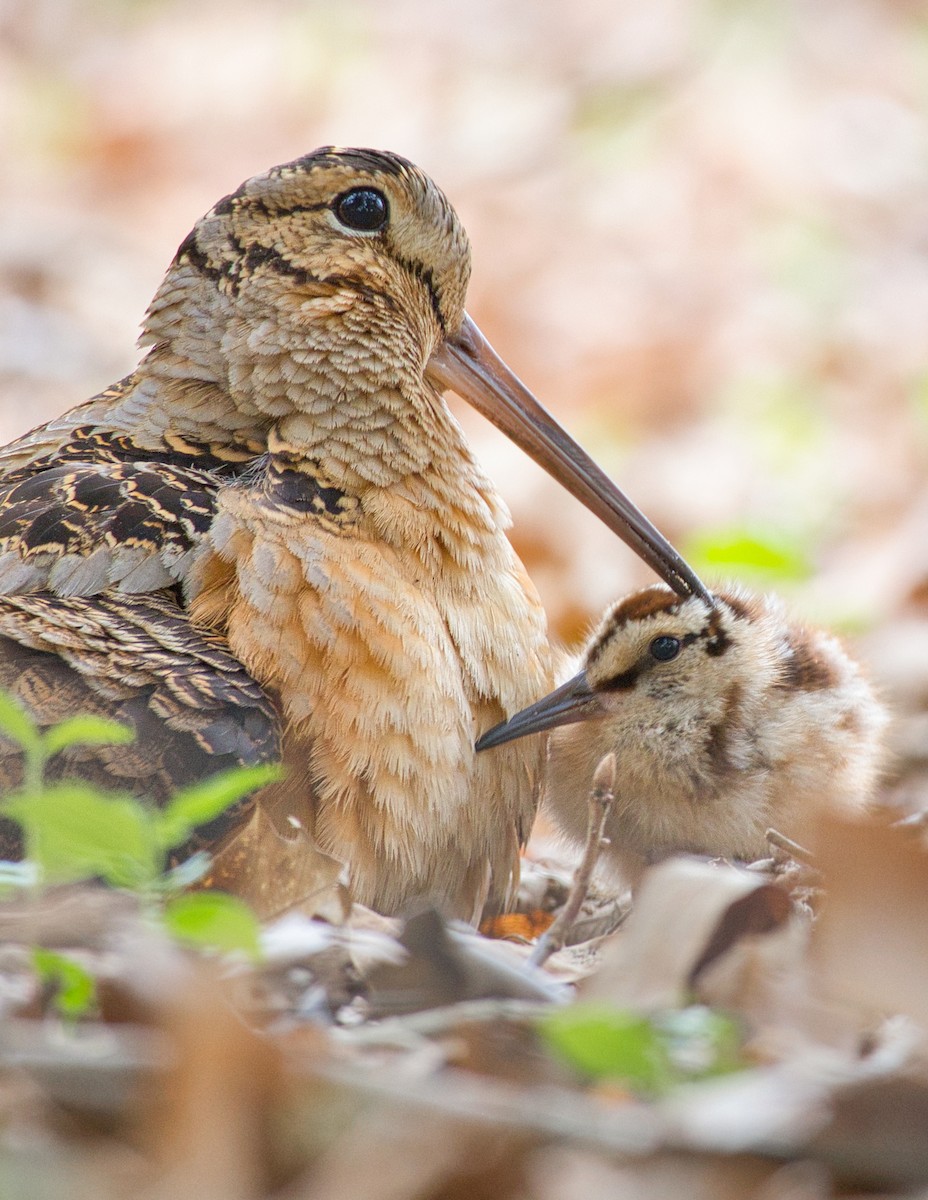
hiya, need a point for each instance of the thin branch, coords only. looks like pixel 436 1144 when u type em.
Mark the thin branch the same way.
pixel 435 1022
pixel 788 846
pixel 602 794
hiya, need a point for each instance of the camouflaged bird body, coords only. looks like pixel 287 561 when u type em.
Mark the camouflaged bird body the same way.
pixel 290 582
pixel 273 538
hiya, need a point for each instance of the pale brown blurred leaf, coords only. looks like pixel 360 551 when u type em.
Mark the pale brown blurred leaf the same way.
pixel 272 873
pixel 444 966
pixel 870 945
pixel 687 914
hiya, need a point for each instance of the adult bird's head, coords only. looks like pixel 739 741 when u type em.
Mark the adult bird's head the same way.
pixel 324 300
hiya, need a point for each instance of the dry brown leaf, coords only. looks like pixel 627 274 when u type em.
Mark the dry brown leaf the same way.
pixel 772 1110
pixel 876 1137
pixel 273 873
pixel 312 968
pixel 387 1155
pixel 211 1124
pixel 445 966
pixel 878 1134
pixel 558 1173
pixel 85 1168
pixel 69 915
pixel 507 1049
pixel 870 945
pixel 95 1075
pixel 688 914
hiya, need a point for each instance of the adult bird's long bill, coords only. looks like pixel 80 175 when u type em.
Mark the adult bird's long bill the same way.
pixel 468 365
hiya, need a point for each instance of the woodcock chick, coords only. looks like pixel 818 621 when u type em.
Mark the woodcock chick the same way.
pixel 725 718
pixel 272 539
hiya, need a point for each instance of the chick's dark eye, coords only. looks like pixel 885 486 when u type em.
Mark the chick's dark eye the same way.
pixel 363 209
pixel 664 648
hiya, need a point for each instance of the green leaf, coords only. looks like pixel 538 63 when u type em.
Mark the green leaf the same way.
pixel 16 723
pixel 75 832
pixel 609 1043
pixel 85 731
pixel 203 802
pixel 213 920
pixel 75 988
pixel 649 1054
pixel 740 552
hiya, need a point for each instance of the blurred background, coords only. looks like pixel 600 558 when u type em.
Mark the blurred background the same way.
pixel 700 234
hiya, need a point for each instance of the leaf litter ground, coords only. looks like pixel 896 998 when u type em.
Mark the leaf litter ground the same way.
pixel 721 1042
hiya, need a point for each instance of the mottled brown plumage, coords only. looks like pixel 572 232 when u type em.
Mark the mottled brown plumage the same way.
pixel 272 537
pixel 725 717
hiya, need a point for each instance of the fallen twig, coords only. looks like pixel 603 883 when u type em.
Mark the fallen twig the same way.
pixel 434 1022
pixel 602 794
pixel 788 846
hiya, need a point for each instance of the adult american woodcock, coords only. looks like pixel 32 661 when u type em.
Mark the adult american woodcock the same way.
pixel 272 539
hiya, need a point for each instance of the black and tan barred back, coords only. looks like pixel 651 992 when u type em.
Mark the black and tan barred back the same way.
pixel 193 707
pixel 96 540
pixel 77 527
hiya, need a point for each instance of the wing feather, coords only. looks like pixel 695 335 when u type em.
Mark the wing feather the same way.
pixel 137 659
pixel 77 528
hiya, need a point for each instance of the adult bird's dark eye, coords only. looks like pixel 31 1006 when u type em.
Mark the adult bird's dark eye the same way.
pixel 363 209
pixel 664 648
